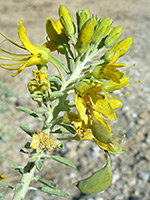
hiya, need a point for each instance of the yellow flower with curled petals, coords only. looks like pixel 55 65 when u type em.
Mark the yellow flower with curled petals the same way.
pixel 39 84
pixel 38 55
pixel 42 141
pixel 55 32
pixel 85 133
pixel 97 98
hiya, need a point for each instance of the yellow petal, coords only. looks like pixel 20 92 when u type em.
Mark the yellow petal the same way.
pixel 53 30
pixel 81 108
pixel 24 39
pixel 50 45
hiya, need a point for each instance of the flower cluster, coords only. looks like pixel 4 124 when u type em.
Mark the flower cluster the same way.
pixel 89 75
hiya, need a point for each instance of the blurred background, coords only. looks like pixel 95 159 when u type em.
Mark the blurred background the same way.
pixel 131 170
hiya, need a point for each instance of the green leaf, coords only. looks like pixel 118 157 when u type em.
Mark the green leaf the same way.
pixel 55 192
pixel 59 62
pixel 49 183
pixel 30 112
pixel 39 165
pixel 55 79
pixel 57 94
pixel 37 95
pixel 40 111
pixel 63 161
pixel 27 145
pixel 68 128
pixel 27 129
pixel 3 184
pixel 62 131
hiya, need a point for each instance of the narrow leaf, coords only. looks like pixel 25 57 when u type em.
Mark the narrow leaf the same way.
pixel 28 111
pixel 56 94
pixel 55 192
pixel 68 128
pixel 40 111
pixel 37 95
pixel 27 129
pixel 48 183
pixel 39 165
pixel 63 161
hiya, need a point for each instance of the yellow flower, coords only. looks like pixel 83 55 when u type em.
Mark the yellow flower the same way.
pixel 55 32
pixel 39 84
pixel 2 178
pixel 66 21
pixel 95 96
pixel 39 55
pixel 42 141
pixel 84 132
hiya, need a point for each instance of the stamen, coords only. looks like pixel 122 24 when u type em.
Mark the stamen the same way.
pixel 139 81
pixel 14 54
pixel 119 96
pixel 129 68
pixel 14 43
pixel 13 59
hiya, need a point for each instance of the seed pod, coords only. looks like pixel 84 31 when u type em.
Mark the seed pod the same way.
pixel 101 30
pixel 100 131
pixel 98 182
pixel 82 16
pixel 113 36
pixel 118 49
pixel 85 36
pixel 66 21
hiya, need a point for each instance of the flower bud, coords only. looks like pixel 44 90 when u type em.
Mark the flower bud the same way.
pixel 82 16
pixel 113 36
pixel 82 87
pixel 111 85
pixel 97 71
pixel 85 36
pixel 101 30
pixel 66 21
pixel 118 49
pixel 115 103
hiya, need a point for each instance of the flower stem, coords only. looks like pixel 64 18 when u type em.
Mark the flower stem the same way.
pixel 58 68
pixel 25 182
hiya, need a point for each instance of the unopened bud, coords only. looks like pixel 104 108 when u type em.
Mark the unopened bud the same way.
pixel 97 71
pixel 101 30
pixel 66 21
pixel 113 36
pixel 118 49
pixel 111 85
pixel 115 103
pixel 82 16
pixel 85 36
pixel 83 87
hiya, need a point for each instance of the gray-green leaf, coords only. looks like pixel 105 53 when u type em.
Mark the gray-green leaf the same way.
pixel 63 161
pixel 27 129
pixel 49 183
pixel 56 192
pixel 30 112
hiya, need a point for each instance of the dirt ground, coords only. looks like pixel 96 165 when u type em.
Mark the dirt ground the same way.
pixel 131 180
